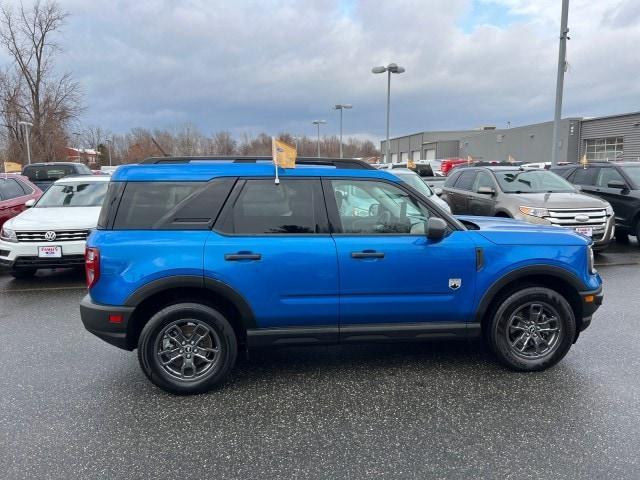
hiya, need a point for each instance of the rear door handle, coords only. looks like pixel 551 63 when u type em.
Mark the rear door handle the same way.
pixel 230 257
pixel 367 254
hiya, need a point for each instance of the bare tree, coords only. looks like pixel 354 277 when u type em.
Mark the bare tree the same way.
pixel 223 144
pixel 41 96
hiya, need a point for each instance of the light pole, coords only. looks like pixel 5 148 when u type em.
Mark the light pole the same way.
pixel 317 123
pixel 342 107
pixel 77 134
pixel 562 65
pixel 391 68
pixel 109 144
pixel 26 126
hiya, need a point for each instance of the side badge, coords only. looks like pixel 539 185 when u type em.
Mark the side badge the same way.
pixel 455 283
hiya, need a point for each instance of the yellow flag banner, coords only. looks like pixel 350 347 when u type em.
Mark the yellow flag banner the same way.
pixel 510 159
pixel 12 167
pixel 584 161
pixel 411 164
pixel 284 155
pixel 469 160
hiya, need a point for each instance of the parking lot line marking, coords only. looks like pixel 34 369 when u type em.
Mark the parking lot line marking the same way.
pixel 42 289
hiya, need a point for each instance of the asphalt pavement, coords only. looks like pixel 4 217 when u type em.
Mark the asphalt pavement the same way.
pixel 73 407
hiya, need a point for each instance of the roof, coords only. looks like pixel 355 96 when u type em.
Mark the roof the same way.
pixel 83 179
pixel 206 170
pixel 40 164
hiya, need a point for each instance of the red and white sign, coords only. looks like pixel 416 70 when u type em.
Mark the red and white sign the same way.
pixel 50 251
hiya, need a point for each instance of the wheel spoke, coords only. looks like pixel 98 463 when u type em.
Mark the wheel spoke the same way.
pixel 524 345
pixel 517 327
pixel 203 357
pixel 188 365
pixel 536 344
pixel 198 337
pixel 549 329
pixel 518 340
pixel 176 334
pixel 174 355
pixel 535 312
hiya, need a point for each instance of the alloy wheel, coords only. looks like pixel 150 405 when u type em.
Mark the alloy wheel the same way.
pixel 534 330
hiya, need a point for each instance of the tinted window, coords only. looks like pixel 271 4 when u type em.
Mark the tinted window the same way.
pixel 170 205
pixel 89 194
pixel 465 182
pixel 39 173
pixel 584 176
pixel 532 181
pixel 607 175
pixel 28 190
pixel 262 207
pixel 563 172
pixel 9 189
pixel 370 207
pixel 416 182
pixel 451 179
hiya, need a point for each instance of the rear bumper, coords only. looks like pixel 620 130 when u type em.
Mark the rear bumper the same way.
pixel 107 322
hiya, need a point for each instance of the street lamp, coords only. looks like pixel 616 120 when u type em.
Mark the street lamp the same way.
pixel 391 68
pixel 342 107
pixel 317 123
pixel 109 144
pixel 77 134
pixel 26 126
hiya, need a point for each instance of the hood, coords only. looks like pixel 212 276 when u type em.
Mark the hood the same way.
pixel 506 231
pixel 559 200
pixel 55 218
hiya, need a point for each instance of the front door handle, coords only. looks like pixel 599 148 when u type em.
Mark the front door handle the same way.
pixel 230 257
pixel 367 254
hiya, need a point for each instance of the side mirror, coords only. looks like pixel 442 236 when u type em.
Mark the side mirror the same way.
pixel 438 191
pixel 436 228
pixel 30 203
pixel 617 184
pixel 487 190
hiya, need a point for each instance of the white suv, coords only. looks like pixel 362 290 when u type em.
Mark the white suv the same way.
pixel 52 233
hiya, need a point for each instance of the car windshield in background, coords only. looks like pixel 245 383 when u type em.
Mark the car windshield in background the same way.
pixel 633 172
pixel 532 181
pixel 88 194
pixel 416 182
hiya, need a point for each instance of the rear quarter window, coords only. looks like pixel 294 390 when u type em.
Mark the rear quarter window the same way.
pixel 465 182
pixel 170 205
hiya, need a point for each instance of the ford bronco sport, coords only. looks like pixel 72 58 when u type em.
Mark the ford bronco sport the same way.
pixel 196 258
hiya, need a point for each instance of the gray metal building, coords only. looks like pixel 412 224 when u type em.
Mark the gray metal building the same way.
pixel 614 137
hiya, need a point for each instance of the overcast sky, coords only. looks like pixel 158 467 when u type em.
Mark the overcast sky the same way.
pixel 251 66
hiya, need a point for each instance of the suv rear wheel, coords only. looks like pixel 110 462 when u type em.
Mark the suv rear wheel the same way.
pixel 532 329
pixel 187 348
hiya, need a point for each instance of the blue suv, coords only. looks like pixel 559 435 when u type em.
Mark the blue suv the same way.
pixel 195 259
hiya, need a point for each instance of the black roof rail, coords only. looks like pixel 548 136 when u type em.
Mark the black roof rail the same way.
pixel 350 163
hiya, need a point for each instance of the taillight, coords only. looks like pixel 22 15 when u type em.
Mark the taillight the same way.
pixel 92 265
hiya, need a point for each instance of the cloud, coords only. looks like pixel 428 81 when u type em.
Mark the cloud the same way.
pixel 275 65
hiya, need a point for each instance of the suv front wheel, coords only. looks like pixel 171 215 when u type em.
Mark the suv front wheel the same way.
pixel 532 329
pixel 187 348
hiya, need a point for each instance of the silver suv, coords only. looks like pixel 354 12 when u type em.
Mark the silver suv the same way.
pixel 535 196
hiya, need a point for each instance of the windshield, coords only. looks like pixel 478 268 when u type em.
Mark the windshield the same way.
pixel 532 181
pixel 88 194
pixel 416 182
pixel 633 172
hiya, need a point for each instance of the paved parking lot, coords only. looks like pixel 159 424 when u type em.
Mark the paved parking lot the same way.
pixel 71 406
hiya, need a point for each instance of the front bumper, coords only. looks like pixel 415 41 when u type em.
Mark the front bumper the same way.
pixel 19 255
pixel 591 301
pixel 107 322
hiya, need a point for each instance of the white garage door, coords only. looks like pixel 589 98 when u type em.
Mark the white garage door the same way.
pixel 404 156
pixel 430 154
pixel 415 155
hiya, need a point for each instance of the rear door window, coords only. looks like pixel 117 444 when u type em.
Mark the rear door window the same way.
pixel 483 179
pixel 9 189
pixel 584 176
pixel 465 182
pixel 171 205
pixel 295 206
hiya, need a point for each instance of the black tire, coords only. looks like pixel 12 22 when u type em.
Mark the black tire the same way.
pixel 622 236
pixel 23 272
pixel 504 328
pixel 171 326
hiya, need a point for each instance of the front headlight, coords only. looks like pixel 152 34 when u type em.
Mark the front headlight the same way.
pixel 8 235
pixel 609 210
pixel 591 264
pixel 535 212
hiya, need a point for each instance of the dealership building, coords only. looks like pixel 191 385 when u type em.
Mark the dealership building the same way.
pixel 613 137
